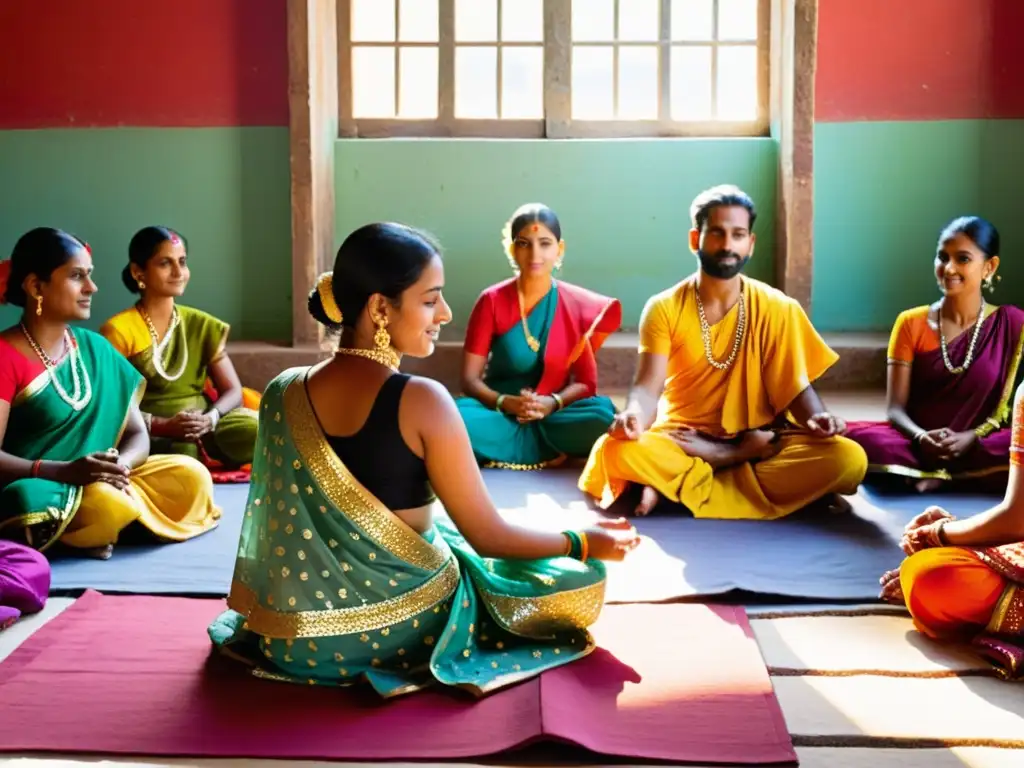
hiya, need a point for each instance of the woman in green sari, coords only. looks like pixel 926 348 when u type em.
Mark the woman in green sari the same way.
pixel 75 464
pixel 529 370
pixel 179 350
pixel 342 573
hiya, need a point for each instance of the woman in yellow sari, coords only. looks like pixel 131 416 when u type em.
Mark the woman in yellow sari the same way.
pixel 74 453
pixel 964 579
pixel 179 350
pixel 342 573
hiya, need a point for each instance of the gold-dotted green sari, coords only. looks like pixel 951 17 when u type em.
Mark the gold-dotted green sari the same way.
pixel 331 587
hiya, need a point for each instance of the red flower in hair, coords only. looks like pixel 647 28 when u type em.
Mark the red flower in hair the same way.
pixel 5 275
pixel 88 248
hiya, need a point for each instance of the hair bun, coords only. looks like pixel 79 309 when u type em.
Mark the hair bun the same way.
pixel 325 287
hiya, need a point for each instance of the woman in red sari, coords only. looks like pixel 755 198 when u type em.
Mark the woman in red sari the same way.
pixel 529 370
pixel 952 368
pixel 964 579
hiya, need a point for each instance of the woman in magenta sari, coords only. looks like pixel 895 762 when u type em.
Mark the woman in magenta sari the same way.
pixel 537 338
pixel 952 370
pixel 24 581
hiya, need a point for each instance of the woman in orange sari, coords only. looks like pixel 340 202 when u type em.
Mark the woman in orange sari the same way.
pixel 964 579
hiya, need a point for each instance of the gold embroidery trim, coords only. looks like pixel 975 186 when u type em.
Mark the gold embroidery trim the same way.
pixel 1008 616
pixel 544 617
pixel 1002 411
pixel 343 621
pixel 557 461
pixel 347 494
pixel 64 516
pixel 941 474
pixel 33 388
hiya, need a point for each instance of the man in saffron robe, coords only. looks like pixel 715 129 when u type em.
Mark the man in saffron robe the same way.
pixel 722 417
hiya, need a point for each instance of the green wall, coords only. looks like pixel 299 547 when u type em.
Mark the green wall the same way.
pixel 884 190
pixel 225 189
pixel 624 204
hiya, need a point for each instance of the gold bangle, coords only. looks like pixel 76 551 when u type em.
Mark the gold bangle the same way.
pixel 498 402
pixel 584 547
pixel 558 400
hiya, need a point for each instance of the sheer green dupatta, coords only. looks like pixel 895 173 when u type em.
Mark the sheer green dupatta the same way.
pixel 43 426
pixel 331 587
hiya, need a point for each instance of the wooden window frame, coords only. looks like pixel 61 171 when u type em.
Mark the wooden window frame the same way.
pixel 557 122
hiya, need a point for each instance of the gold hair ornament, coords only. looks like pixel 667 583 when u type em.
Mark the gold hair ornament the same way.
pixel 325 287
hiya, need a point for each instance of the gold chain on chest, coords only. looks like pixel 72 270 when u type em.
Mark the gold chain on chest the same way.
pixel 705 332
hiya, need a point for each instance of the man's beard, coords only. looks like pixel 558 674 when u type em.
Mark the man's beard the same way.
pixel 711 264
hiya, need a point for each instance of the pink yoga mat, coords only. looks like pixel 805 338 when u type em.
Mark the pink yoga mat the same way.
pixel 134 675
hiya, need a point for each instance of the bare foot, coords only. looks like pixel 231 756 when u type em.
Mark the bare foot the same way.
pixel 755 445
pixel 100 553
pixel 928 485
pixel 648 501
pixel 837 504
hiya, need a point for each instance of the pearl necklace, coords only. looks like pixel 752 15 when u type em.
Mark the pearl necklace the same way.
pixel 969 357
pixel 82 394
pixel 386 357
pixel 159 347
pixel 705 332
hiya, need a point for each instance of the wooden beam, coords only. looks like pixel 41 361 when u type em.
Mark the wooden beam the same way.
pixel 313 104
pixel 794 45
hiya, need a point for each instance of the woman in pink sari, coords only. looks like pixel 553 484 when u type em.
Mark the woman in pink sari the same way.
pixel 24 581
pixel 952 369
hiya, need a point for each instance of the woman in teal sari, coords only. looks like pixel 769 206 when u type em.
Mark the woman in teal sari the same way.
pixel 342 573
pixel 74 457
pixel 537 403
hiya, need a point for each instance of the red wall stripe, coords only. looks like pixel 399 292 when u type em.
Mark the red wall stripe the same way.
pixel 919 60
pixel 95 63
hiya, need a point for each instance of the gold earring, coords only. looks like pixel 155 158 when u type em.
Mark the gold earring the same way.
pixel 142 286
pixel 39 305
pixel 382 339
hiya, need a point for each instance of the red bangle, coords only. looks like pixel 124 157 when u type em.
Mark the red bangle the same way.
pixel 35 467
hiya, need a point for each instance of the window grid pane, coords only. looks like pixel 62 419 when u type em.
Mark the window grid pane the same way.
pixel 699 64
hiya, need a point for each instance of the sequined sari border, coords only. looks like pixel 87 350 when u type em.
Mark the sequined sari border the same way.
pixel 344 491
pixel 280 625
pixel 532 617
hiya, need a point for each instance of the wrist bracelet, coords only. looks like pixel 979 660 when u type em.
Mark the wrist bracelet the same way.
pixel 498 402
pixel 559 405
pixel 576 544
pixel 35 467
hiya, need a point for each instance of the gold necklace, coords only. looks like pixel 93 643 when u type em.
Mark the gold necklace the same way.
pixel 386 357
pixel 531 340
pixel 705 332
pixel 969 357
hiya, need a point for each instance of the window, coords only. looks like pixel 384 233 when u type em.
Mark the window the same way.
pixel 553 68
